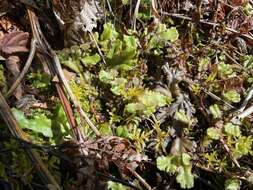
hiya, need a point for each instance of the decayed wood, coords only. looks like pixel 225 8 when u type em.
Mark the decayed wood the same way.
pixel 45 175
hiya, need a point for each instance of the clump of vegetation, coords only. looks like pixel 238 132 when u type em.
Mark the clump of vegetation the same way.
pixel 169 92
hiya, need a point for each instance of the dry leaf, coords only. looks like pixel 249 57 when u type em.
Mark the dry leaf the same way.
pixel 76 18
pixel 14 42
pixel 12 65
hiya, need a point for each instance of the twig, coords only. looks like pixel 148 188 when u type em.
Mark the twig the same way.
pixel 25 69
pixel 68 110
pixel 234 61
pixel 140 179
pixel 249 94
pixel 247 99
pixel 58 70
pixel 236 119
pixel 136 10
pixel 180 16
pixel 2 14
pixel 230 155
pixel 110 8
pixel 71 94
pixel 235 175
pixel 154 8
pixel 99 50
pixel 189 81
pixel 217 98
pixel 50 70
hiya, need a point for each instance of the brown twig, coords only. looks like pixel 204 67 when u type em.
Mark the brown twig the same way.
pixel 227 174
pixel 92 37
pixel 180 16
pixel 136 10
pixel 144 183
pixel 57 69
pixel 71 94
pixel 229 153
pixel 25 69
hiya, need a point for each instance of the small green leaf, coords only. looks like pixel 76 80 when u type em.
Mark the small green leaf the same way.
pixel 232 96
pixel 107 76
pixel 224 69
pixel 185 177
pixel 39 123
pixel 170 34
pixel 122 131
pixel 232 184
pixel 166 164
pixel 213 133
pixel 72 64
pixel 60 124
pixel 105 129
pixel 203 63
pixel 215 110
pixel 186 159
pixel 181 116
pixel 91 60
pixel 39 80
pixel 243 146
pixel 247 61
pixel 109 32
pixel 123 61
pixel 118 86
pixel 116 186
pixel 232 129
pixel 20 117
pixel 248 9
pixel 130 43
pixel 133 108
pixel 162 35
pixel 153 99
pixel 125 2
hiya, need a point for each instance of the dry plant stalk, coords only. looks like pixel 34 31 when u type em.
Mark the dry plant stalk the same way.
pixel 56 70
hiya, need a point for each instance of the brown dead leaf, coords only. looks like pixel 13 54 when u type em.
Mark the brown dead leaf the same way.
pixel 235 3
pixel 14 42
pixel 119 151
pixel 12 65
pixel 76 17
